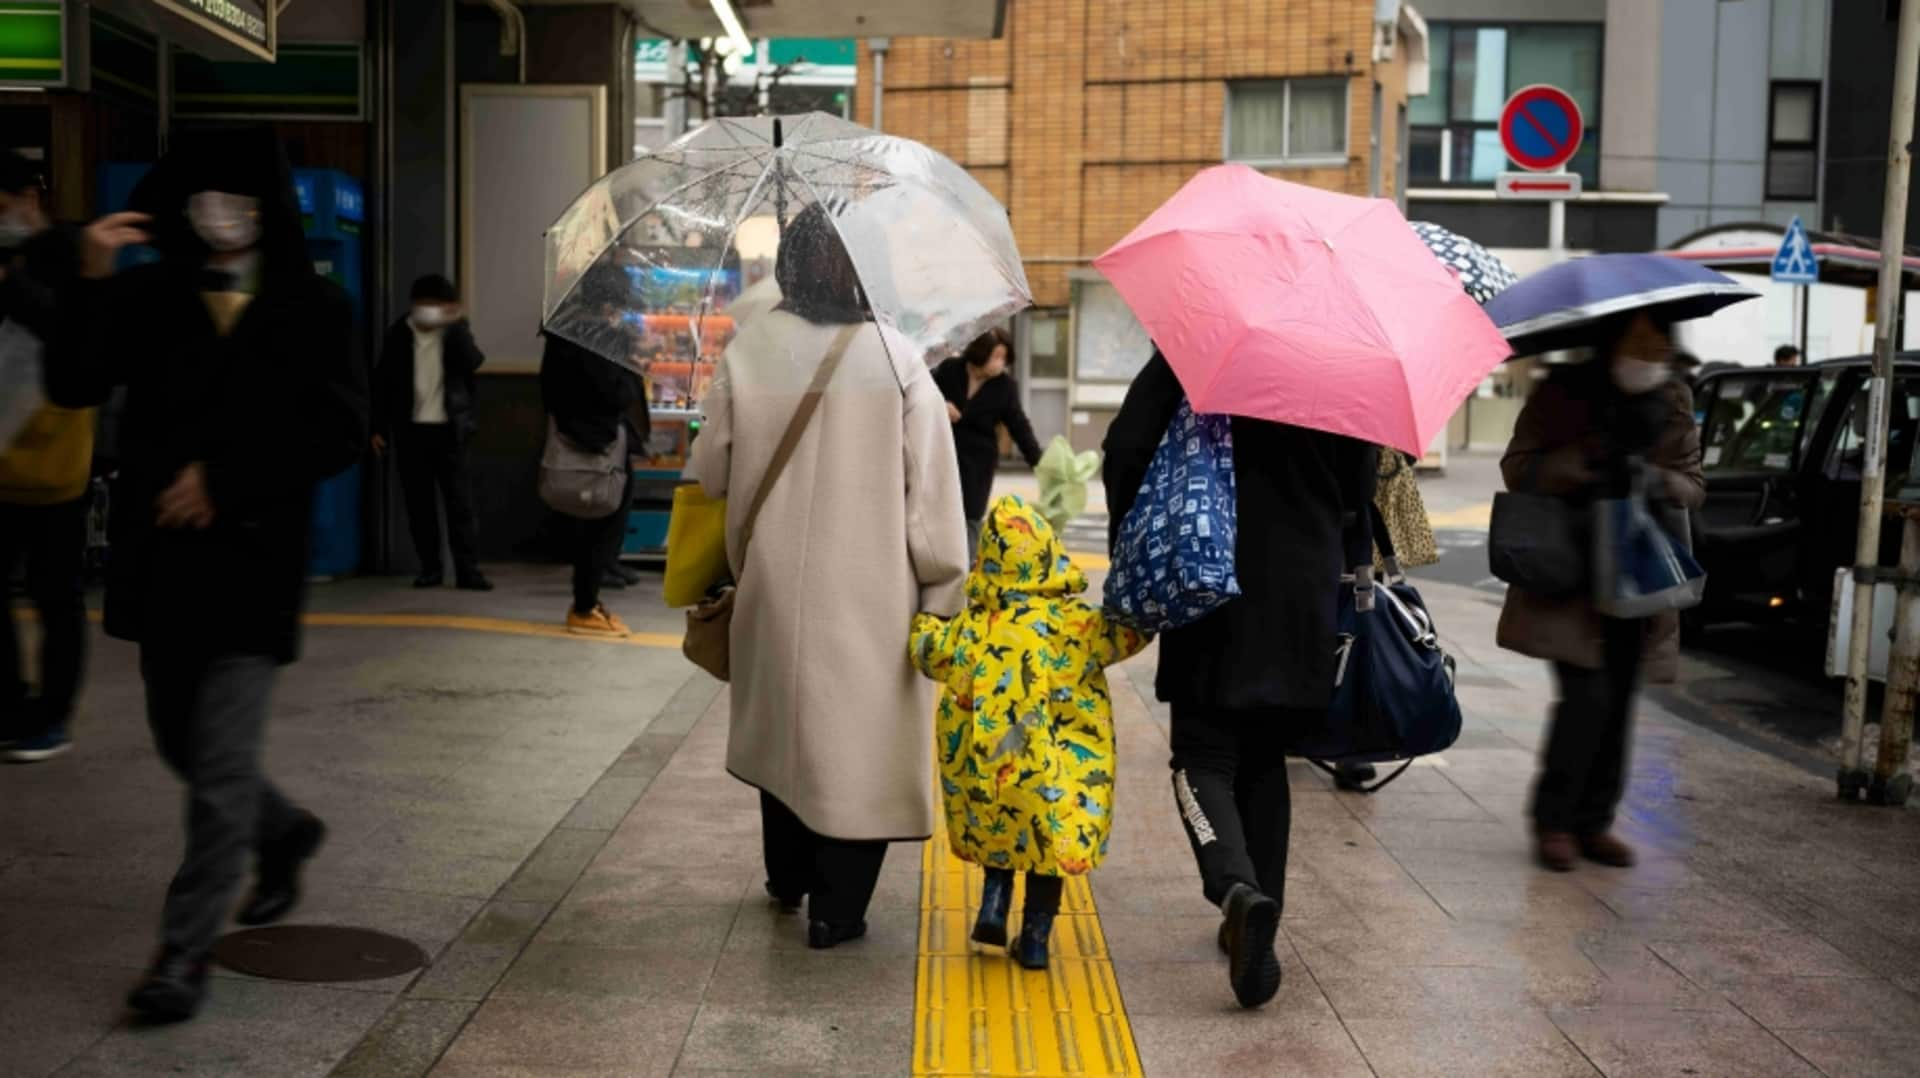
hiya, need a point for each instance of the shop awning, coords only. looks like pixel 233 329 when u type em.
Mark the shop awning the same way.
pixel 1749 248
pixel 827 18
pixel 216 29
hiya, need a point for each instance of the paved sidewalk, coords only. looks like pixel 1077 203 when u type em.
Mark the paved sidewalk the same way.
pixel 550 819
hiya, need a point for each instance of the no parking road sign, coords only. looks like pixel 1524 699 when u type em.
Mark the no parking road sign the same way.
pixel 1540 128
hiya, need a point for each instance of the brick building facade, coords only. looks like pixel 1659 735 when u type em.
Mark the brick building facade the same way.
pixel 1085 115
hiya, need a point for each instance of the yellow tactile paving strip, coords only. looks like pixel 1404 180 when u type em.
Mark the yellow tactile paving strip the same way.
pixel 976 1012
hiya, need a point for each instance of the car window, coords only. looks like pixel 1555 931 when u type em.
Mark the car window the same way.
pixel 1847 459
pixel 1754 421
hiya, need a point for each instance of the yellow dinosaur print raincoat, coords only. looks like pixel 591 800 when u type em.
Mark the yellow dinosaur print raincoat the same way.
pixel 1025 734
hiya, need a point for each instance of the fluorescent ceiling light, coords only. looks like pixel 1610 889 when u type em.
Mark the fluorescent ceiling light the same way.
pixel 723 10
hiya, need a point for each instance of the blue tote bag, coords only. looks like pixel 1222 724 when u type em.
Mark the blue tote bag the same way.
pixel 1640 568
pixel 1173 559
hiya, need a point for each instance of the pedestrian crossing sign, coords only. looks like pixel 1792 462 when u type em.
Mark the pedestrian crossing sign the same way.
pixel 1795 262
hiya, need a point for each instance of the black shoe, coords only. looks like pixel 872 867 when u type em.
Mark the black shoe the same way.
pixel 788 902
pixel 996 901
pixel 173 989
pixel 1354 777
pixel 429 580
pixel 825 935
pixel 1253 920
pixel 1222 938
pixel 1031 949
pixel 473 581
pixel 612 581
pixel 278 889
pixel 625 572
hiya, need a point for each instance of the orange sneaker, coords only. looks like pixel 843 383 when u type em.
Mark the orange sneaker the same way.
pixel 600 623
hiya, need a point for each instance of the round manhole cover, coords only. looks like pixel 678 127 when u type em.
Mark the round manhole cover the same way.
pixel 322 953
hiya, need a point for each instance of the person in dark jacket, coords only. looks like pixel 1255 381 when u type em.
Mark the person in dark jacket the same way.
pixel 592 401
pixel 243 392
pixel 1242 678
pixel 423 406
pixel 981 398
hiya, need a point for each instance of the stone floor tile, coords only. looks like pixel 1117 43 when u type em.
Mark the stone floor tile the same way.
pixel 1634 1041
pixel 1830 1004
pixel 693 929
pixel 593 970
pixel 708 885
pixel 407 1041
pixel 844 974
pixel 803 1036
pixel 762 927
pixel 553 868
pixel 246 1027
pixel 613 1037
pixel 1520 1044
pixel 50 1014
pixel 1882 1054
pixel 1247 1043
pixel 607 804
pixel 1720 960
pixel 1201 989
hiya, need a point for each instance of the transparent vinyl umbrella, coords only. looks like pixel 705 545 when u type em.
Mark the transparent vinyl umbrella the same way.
pixel 658 263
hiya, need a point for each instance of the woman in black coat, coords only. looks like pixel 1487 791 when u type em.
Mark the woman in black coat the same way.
pixel 982 397
pixel 1242 678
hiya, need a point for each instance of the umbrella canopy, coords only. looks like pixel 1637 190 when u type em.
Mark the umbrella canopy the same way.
pixel 679 235
pixel 1288 303
pixel 1481 272
pixel 1562 305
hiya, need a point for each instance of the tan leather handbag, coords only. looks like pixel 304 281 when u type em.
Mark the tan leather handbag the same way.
pixel 709 639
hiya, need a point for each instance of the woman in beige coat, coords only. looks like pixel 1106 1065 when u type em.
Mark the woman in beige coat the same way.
pixel 861 532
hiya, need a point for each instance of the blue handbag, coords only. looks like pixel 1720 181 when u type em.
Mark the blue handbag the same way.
pixel 1173 559
pixel 1640 568
pixel 1393 691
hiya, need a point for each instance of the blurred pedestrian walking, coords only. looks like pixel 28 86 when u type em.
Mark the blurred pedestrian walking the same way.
pixel 1240 678
pixel 1026 743
pixel 858 530
pixel 982 398
pixel 243 393
pixel 1589 432
pixel 593 405
pixel 423 405
pixel 45 469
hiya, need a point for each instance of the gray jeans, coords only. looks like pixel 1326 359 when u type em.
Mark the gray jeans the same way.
pixel 209 716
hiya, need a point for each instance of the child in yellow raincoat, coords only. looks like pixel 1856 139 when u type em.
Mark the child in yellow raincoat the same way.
pixel 1025 741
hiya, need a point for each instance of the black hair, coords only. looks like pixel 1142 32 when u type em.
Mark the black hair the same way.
pixel 434 288
pixel 817 278
pixel 981 349
pixel 1785 352
pixel 19 175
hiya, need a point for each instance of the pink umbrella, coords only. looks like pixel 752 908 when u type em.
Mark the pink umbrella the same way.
pixel 1289 303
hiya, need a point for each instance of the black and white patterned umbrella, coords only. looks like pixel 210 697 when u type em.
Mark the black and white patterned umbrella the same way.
pixel 1481 272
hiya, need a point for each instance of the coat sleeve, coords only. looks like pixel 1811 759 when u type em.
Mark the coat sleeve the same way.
pixel 936 522
pixel 1136 432
pixel 1677 454
pixel 711 460
pixel 465 355
pixel 324 417
pixel 1019 427
pixel 1113 642
pixel 930 647
pixel 1549 454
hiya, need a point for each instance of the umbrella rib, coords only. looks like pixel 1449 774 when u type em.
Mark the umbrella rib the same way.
pixel 706 303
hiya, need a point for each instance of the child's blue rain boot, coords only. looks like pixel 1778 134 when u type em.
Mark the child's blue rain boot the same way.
pixel 1031 949
pixel 996 901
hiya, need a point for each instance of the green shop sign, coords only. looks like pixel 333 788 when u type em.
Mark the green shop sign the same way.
pixel 33 35
pixel 248 24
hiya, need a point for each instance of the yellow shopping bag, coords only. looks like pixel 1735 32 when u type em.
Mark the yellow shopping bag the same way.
pixel 696 545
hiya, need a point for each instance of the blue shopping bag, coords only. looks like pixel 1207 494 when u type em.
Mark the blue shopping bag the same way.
pixel 1640 568
pixel 1174 558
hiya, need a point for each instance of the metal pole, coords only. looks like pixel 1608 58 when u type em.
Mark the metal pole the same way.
pixel 1893 237
pixel 1556 230
pixel 1891 783
pixel 1806 317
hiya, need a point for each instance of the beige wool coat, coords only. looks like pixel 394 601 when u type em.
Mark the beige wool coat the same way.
pixel 863 531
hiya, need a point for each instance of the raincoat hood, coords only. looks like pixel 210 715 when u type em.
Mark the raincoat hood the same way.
pixel 238 161
pixel 1020 557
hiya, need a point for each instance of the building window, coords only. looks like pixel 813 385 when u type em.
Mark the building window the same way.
pixel 1290 122
pixel 1793 141
pixel 1455 137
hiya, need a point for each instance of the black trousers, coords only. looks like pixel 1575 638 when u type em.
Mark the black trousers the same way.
pixel 1583 769
pixel 596 544
pixel 1230 782
pixel 209 718
pixel 1043 892
pixel 837 875
pixel 52 540
pixel 432 459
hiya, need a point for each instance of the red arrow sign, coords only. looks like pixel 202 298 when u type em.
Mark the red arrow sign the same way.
pixel 1534 185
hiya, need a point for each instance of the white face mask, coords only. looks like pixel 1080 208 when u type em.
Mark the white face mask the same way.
pixel 434 315
pixel 225 222
pixel 1635 376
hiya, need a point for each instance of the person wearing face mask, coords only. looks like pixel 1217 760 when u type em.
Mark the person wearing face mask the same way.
pixel 44 481
pixel 243 392
pixel 423 405
pixel 1583 435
